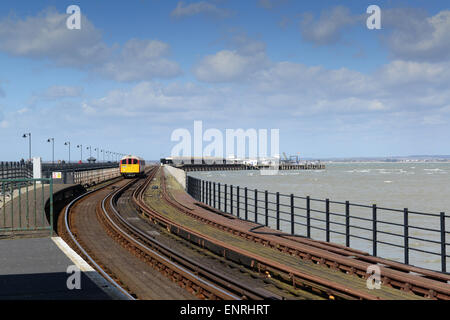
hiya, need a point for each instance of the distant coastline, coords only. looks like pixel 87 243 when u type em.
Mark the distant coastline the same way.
pixel 396 159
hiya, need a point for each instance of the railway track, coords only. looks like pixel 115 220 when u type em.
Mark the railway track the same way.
pixel 206 282
pixel 269 268
pixel 201 281
pixel 408 279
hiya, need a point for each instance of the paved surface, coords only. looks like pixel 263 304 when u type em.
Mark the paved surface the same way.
pixel 36 268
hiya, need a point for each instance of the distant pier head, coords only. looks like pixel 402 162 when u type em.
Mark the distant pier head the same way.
pixel 219 164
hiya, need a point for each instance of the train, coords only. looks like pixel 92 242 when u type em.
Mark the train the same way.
pixel 132 166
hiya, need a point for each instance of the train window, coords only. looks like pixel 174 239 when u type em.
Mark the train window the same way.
pixel 135 161
pixel 124 161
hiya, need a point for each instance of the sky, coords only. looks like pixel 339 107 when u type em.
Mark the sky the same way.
pixel 138 70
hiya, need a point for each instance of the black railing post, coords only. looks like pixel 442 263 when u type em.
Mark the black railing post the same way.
pixel 347 223
pixel 210 193
pixel 231 199
pixel 203 191
pixel 278 211
pixel 256 206
pixel 443 244
pixel 327 219
pixel 406 234
pixel 308 217
pixel 197 189
pixel 238 202
pixel 267 207
pixel 225 198
pixel 374 230
pixel 292 215
pixel 246 204
pixel 214 195
pixel 218 194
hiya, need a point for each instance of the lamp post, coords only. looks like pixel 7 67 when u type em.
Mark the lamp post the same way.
pixel 81 149
pixel 53 148
pixel 68 144
pixel 29 143
pixel 97 149
pixel 90 151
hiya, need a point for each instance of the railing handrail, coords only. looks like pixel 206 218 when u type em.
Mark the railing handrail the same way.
pixel 241 200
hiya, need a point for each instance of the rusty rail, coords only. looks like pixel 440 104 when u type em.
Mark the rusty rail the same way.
pixel 419 281
pixel 197 278
pixel 297 278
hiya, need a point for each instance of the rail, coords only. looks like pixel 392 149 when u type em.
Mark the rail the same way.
pixel 378 228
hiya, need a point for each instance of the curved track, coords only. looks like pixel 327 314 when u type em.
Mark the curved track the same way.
pixel 201 281
pixel 84 231
pixel 420 282
pixel 116 210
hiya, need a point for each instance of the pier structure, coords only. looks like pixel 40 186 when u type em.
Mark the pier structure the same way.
pixel 219 164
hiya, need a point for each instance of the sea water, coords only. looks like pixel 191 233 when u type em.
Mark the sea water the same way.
pixel 420 187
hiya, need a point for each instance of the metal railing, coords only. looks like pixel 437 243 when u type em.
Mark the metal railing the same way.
pixel 16 170
pixel 76 167
pixel 23 205
pixel 88 177
pixel 387 233
pixel 83 173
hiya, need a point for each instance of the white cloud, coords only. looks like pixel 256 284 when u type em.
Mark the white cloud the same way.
pixel 201 7
pixel 401 72
pixel 288 90
pixel 434 120
pixel 141 60
pixel 246 57
pixel 327 29
pixel 226 65
pixel 46 37
pixel 150 98
pixel 409 33
pixel 416 36
pixel 270 4
pixel 58 92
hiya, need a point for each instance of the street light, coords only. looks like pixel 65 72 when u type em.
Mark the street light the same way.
pixel 68 144
pixel 53 148
pixel 81 149
pixel 96 149
pixel 29 143
pixel 90 151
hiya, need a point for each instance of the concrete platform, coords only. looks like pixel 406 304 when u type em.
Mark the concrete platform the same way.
pixel 37 269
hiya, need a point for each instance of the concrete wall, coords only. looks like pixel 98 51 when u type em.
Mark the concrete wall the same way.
pixel 178 174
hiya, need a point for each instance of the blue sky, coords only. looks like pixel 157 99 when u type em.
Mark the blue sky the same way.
pixel 138 70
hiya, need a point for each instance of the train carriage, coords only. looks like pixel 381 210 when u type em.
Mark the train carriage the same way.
pixel 132 166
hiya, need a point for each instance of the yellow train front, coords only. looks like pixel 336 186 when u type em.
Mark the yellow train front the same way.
pixel 132 166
